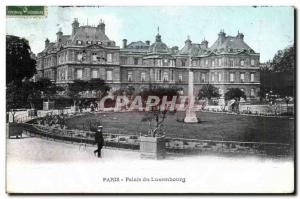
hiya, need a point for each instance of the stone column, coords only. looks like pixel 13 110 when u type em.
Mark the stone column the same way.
pixel 190 116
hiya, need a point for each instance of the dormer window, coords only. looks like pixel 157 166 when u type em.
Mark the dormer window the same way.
pixel 94 56
pixel 88 42
pixel 99 42
pixel 79 42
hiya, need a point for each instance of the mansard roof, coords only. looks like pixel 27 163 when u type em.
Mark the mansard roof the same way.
pixel 89 33
pixel 138 45
pixel 230 44
pixel 191 49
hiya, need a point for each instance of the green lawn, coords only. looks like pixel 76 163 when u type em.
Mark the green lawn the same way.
pixel 213 126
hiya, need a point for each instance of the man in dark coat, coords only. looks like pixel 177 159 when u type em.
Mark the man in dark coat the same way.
pixel 99 140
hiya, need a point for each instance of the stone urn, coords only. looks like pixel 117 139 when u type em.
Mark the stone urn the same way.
pixel 152 147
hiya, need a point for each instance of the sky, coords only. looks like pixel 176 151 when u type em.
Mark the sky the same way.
pixel 266 29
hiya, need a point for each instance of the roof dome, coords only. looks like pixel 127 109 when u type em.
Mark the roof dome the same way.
pixel 158 46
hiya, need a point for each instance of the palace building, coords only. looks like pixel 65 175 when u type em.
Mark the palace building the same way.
pixel 89 53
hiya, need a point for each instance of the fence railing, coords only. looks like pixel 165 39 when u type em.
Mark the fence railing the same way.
pixel 178 145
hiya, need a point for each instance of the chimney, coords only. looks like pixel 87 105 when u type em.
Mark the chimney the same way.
pixel 47 42
pixel 221 37
pixel 240 36
pixel 101 26
pixel 75 26
pixel 148 43
pixel 59 35
pixel 124 43
pixel 188 42
pixel 204 43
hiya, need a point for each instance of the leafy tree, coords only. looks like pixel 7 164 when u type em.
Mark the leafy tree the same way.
pixel 99 86
pixel 19 64
pixel 47 88
pixel 235 93
pixel 75 88
pixel 277 75
pixel 127 91
pixel 208 91
pixel 284 60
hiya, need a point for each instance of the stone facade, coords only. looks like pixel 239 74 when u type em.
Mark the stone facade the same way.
pixel 88 53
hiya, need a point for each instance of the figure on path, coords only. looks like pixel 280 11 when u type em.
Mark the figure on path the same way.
pixel 99 140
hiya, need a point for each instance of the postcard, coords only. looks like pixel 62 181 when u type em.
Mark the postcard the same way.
pixel 150 99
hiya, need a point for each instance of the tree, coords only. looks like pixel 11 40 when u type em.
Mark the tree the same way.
pixel 284 60
pixel 47 88
pixel 235 93
pixel 19 64
pixel 99 86
pixel 157 115
pixel 208 91
pixel 75 88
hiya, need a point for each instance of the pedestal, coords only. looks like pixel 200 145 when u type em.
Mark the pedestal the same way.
pixel 48 105
pixel 152 147
pixel 190 117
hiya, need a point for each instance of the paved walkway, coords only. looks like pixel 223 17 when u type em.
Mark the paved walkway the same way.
pixel 39 165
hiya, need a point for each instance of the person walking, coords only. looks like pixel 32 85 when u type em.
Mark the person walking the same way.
pixel 99 140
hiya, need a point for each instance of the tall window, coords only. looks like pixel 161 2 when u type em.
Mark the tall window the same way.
pixel 231 77
pixel 129 76
pixel 220 61
pixel 109 75
pixel 213 63
pixel 242 77
pixel 172 75
pixel 203 77
pixel 219 77
pixel 94 73
pixel 183 62
pixel 136 61
pixel 252 77
pixel 124 60
pixel 79 73
pixel 212 77
pixel 143 76
pixel 252 62
pixel 180 77
pixel 252 92
pixel 206 62
pixel 166 62
pixel 165 76
pixel 79 56
pixel 109 57
pixel 231 62
pixel 242 62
